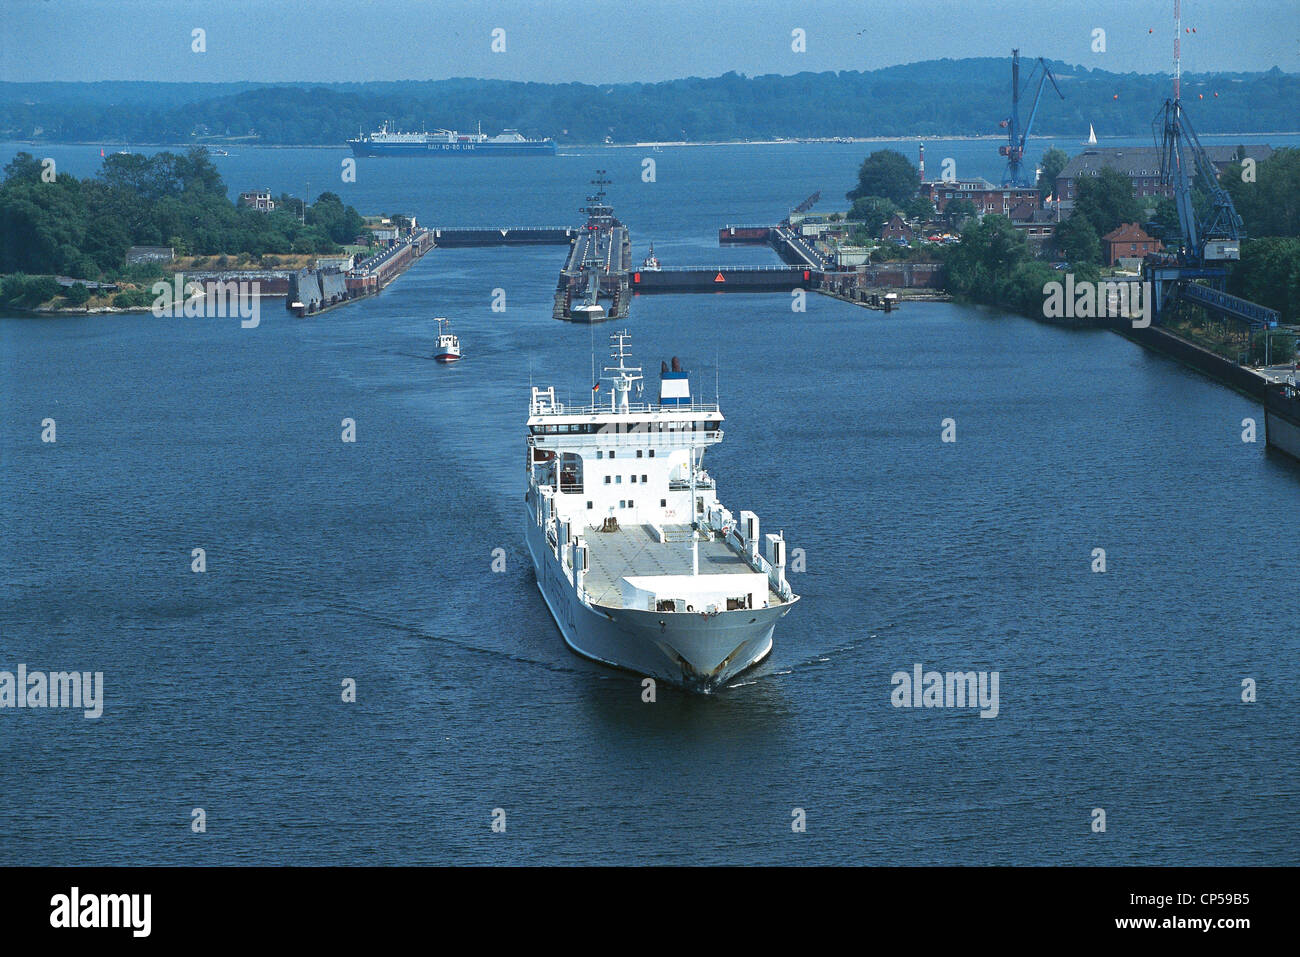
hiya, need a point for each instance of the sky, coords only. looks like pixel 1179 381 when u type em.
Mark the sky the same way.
pixel 615 40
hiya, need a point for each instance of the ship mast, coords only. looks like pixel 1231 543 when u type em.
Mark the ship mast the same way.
pixel 621 376
pixel 695 531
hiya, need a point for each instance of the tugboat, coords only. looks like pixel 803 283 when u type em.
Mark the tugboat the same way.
pixel 448 344
pixel 651 264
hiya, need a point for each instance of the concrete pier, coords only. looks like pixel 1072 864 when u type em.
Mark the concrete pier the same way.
pixel 456 236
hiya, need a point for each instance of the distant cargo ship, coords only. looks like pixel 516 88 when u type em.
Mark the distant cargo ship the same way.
pixel 389 142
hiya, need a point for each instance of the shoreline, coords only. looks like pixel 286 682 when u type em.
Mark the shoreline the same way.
pixel 799 141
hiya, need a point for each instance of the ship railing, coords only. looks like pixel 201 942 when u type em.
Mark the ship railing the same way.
pixel 761 564
pixel 628 438
pixel 560 408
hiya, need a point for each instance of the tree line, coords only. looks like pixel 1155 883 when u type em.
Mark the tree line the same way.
pixel 83 228
pixel 935 98
pixel 993 262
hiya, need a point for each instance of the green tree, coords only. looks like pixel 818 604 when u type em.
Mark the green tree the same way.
pixel 886 173
pixel 28 291
pixel 989 251
pixel 1076 241
pixel 1054 161
pixel 918 207
pixel 872 212
pixel 1269 274
pixel 77 294
pixel 1107 200
pixel 1274 347
pixel 1269 206
pixel 1167 226
pixel 82 228
pixel 958 211
pixel 340 222
pixel 23 168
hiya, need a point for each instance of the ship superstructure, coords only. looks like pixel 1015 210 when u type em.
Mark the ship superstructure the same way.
pixel 448 348
pixel 640 564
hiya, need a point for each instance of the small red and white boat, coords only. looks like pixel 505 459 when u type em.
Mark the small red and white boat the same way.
pixel 448 345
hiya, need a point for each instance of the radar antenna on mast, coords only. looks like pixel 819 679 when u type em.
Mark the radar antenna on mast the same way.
pixel 622 376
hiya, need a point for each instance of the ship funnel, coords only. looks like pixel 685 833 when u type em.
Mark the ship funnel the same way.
pixel 674 386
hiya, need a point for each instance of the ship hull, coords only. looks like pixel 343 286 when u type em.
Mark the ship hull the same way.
pixel 446 357
pixel 538 148
pixel 1282 430
pixel 581 314
pixel 697 652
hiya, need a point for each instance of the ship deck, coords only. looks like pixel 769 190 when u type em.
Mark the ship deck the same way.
pixel 635 550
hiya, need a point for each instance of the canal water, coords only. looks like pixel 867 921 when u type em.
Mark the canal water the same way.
pixel 373 561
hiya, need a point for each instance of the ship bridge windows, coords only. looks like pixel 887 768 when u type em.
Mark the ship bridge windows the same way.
pixel 566 428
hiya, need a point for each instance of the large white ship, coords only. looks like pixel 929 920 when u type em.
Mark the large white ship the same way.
pixel 392 142
pixel 639 563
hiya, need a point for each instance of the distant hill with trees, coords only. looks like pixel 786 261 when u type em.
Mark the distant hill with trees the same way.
pixel 948 97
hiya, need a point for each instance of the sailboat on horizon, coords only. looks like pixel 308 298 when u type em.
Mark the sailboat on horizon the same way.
pixel 1092 137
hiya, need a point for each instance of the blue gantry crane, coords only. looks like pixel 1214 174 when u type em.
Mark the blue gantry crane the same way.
pixel 1014 148
pixel 1218 235
pixel 1197 271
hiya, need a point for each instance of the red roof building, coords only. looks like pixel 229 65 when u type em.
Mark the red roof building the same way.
pixel 1128 242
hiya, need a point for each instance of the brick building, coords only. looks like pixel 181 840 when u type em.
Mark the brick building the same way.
pixel 986 197
pixel 1037 224
pixel 1141 164
pixel 896 229
pixel 1128 242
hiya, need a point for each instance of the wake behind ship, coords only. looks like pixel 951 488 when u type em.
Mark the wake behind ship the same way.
pixel 389 142
pixel 640 565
